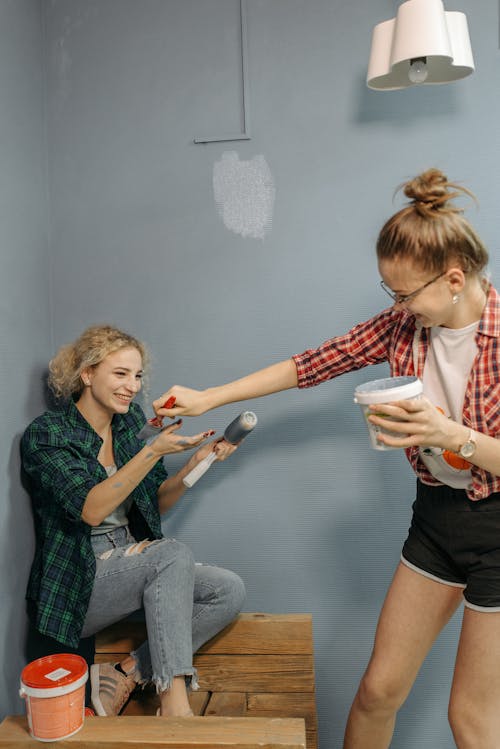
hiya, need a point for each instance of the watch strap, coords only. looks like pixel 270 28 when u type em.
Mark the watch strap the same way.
pixel 469 441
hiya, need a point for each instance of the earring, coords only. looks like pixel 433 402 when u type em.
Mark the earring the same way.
pixel 454 299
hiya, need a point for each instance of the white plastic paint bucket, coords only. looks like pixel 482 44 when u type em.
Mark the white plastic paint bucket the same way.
pixel 385 391
pixel 54 690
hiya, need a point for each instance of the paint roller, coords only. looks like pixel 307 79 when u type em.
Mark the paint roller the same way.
pixel 234 433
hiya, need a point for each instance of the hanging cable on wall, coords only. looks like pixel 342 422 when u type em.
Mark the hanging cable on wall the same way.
pixel 245 135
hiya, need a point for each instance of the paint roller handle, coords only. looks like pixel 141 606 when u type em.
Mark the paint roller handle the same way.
pixel 197 472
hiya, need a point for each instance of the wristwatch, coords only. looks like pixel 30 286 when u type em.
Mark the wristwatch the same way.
pixel 468 449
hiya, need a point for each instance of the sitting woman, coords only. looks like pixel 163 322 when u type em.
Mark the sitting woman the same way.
pixel 98 492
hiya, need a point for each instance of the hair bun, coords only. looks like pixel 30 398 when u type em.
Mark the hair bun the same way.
pixel 429 190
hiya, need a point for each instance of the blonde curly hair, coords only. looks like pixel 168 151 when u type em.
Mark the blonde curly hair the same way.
pixel 89 350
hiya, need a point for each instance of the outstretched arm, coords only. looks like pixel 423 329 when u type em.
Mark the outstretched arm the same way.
pixel 188 402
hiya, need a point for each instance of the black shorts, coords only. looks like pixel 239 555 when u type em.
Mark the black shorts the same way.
pixel 457 542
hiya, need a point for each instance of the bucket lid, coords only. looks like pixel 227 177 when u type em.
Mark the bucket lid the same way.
pixel 388 389
pixel 54 671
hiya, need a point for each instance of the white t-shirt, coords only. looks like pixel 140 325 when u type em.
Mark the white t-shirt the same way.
pixel 446 372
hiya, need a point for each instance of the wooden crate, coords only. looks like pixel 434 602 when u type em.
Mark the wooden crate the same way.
pixel 261 665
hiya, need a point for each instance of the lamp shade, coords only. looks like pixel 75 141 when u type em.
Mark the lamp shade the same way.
pixel 422 31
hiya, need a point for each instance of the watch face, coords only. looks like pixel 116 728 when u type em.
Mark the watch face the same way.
pixel 467 450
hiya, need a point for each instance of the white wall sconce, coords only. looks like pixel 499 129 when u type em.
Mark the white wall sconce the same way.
pixel 423 44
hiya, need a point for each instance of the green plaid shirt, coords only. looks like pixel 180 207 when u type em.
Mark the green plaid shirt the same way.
pixel 59 455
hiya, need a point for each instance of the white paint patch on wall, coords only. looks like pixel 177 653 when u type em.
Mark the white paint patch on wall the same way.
pixel 244 194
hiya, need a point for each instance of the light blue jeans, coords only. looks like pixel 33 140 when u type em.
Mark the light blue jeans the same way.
pixel 185 604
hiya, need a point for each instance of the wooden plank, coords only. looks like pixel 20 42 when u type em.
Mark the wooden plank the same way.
pixel 248 634
pixel 264 633
pixel 255 673
pixel 176 733
pixel 249 673
pixel 108 657
pixel 311 739
pixel 122 637
pixel 199 701
pixel 229 704
pixel 291 705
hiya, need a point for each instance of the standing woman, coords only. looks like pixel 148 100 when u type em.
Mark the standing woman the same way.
pixel 98 492
pixel 444 327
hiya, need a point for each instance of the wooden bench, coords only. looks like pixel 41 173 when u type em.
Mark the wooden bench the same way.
pixel 261 665
pixel 256 691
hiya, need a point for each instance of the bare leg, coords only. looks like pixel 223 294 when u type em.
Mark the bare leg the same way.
pixel 415 610
pixel 129 664
pixel 475 695
pixel 174 701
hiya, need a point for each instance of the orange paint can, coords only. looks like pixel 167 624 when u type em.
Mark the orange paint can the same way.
pixel 54 690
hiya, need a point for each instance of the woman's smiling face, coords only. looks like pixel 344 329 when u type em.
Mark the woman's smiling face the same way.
pixel 428 300
pixel 114 382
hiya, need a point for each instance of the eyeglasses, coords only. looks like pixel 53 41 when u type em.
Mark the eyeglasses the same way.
pixel 404 298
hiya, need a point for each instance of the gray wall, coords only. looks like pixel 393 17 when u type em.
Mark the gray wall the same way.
pixel 305 512
pixel 24 309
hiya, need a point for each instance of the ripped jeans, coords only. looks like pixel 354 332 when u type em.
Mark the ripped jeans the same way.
pixel 185 604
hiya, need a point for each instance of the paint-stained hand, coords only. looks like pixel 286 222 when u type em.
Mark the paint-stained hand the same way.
pixel 170 441
pixel 221 447
pixel 224 449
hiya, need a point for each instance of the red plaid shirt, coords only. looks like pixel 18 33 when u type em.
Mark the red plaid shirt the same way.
pixel 389 337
